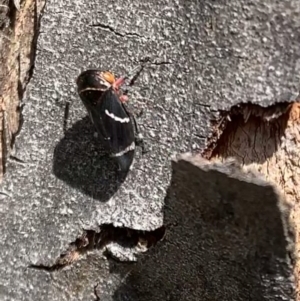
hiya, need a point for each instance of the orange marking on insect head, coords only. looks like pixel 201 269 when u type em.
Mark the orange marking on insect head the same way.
pixel 109 77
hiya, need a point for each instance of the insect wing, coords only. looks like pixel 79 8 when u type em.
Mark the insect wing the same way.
pixel 117 123
pixel 92 102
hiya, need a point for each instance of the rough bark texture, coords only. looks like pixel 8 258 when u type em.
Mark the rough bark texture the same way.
pixel 231 239
pixel 19 26
pixel 206 56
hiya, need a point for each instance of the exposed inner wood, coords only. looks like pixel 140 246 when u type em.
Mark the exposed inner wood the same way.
pixel 267 140
pixel 91 240
pixel 19 30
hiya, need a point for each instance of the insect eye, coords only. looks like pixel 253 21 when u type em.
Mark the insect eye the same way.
pixel 109 77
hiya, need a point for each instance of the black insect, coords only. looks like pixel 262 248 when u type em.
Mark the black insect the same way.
pixel 104 101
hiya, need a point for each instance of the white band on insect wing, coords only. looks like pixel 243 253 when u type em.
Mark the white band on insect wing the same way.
pixel 116 118
pixel 129 148
pixel 93 89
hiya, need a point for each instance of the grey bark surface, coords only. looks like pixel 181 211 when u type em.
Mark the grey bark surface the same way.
pixel 208 56
pixel 228 241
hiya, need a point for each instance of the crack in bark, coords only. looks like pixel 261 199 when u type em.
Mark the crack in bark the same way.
pixel 161 63
pixel 117 33
pixel 150 61
pixel 92 240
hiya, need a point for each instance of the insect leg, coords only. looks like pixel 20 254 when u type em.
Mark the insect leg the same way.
pixel 135 73
pixel 96 293
pixel 139 139
pixel 123 98
pixel 66 117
